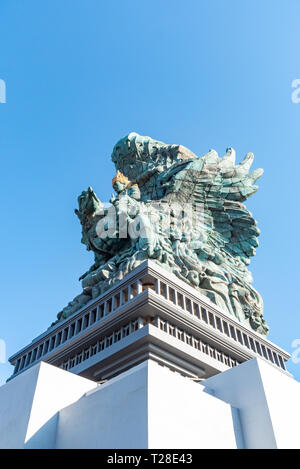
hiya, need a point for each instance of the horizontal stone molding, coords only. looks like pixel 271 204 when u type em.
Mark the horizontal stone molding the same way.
pixel 149 295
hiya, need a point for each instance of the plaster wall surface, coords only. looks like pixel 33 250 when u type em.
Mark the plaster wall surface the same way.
pixel 283 399
pixel 268 403
pixel 16 399
pixel 30 403
pixel 250 406
pixel 181 414
pixel 113 416
pixel 147 407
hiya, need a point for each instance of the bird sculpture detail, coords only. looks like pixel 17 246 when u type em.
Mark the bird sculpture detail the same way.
pixel 184 212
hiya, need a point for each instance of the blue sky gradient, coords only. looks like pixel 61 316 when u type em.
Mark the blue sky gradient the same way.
pixel 82 74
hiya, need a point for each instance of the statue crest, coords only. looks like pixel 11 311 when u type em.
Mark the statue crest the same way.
pixel 184 212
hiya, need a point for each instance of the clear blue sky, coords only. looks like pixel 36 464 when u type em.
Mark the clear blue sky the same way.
pixel 80 74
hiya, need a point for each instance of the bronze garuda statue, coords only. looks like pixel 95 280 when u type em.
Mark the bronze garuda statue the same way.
pixel 184 212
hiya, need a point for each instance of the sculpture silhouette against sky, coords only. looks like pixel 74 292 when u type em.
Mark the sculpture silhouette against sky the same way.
pixel 184 212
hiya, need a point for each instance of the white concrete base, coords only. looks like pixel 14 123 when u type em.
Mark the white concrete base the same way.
pixel 148 406
pixel 29 405
pixel 250 406
pixel 268 403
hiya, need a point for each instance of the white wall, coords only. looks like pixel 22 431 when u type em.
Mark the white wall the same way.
pixel 268 403
pixel 55 390
pixel 252 405
pixel 29 405
pixel 114 416
pixel 16 398
pixel 147 407
pixel 182 415
pixel 283 399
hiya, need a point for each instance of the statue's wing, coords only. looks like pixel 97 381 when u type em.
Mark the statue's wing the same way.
pixel 221 187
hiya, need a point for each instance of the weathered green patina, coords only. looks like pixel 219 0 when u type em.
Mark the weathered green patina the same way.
pixel 182 211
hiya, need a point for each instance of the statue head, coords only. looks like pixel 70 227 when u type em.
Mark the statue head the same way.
pixel 135 154
pixel 120 182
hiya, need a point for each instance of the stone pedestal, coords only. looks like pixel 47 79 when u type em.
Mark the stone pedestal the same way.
pixel 151 363
pixel 252 405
